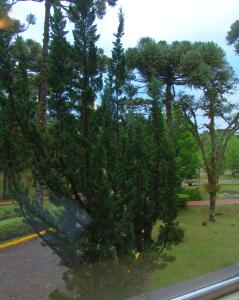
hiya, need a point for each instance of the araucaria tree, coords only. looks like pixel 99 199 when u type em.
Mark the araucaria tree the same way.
pixel 217 84
pixel 161 61
pixel 233 36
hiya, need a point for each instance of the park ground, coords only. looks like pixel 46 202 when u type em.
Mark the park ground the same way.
pixel 204 249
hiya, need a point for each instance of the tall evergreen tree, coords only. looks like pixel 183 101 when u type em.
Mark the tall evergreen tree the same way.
pixel 122 179
pixel 117 66
pixel 88 81
pixel 164 178
pixel 60 67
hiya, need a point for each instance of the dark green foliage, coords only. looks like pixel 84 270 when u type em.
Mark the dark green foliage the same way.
pixel 111 178
pixel 233 36
pixel 133 177
pixel 13 84
pixel 165 182
pixel 117 68
pixel 60 67
pixel 231 161
pixel 171 234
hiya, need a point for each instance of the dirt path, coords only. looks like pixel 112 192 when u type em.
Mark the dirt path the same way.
pixel 219 202
pixel 29 271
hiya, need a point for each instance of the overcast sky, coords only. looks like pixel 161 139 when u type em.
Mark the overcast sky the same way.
pixel 193 20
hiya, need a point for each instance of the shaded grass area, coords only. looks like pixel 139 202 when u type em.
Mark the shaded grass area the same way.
pixel 204 248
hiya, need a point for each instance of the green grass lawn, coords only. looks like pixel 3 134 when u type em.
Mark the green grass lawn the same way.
pixel 228 177
pixel 234 187
pixel 204 249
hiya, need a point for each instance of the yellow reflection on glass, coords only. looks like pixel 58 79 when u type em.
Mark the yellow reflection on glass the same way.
pixel 4 22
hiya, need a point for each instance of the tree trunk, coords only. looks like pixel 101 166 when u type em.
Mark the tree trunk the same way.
pixel 41 113
pixel 148 234
pixel 39 192
pixel 214 169
pixel 212 213
pixel 5 193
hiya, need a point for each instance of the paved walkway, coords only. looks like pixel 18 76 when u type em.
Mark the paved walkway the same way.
pixel 218 202
pixel 29 271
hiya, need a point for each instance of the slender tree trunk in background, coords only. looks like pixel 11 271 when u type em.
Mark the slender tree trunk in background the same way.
pixel 41 113
pixel 39 192
pixel 117 113
pixel 212 191
pixel 212 213
pixel 213 175
pixel 5 193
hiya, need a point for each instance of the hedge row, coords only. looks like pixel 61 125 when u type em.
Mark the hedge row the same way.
pixel 182 200
pixel 9 211
pixel 13 228
pixel 192 192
